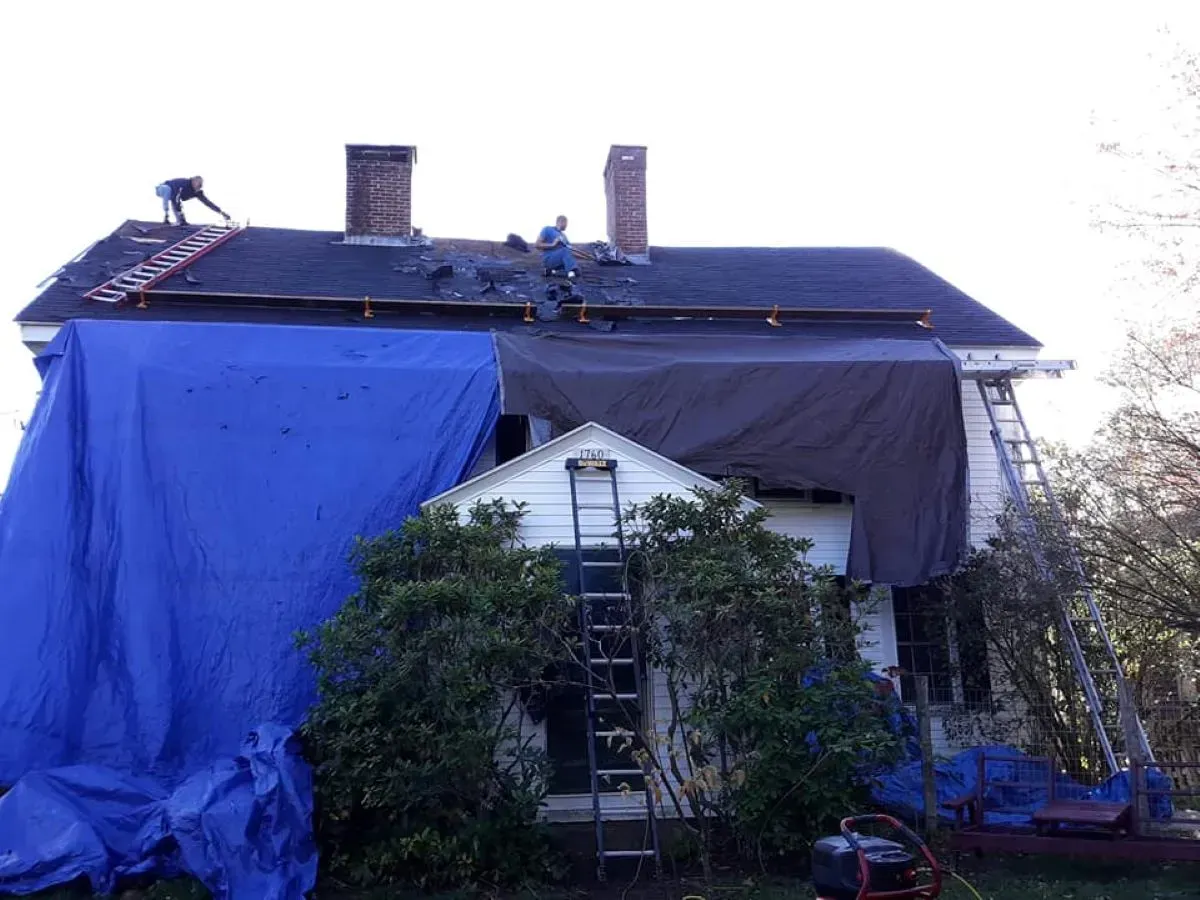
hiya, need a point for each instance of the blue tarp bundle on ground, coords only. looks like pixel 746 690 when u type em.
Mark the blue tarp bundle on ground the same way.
pixel 242 826
pixel 183 502
pixel 902 791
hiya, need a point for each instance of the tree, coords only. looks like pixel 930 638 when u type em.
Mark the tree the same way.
pixel 1136 502
pixel 773 728
pixel 1157 179
pixel 422 775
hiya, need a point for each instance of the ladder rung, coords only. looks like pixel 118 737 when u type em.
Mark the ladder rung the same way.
pixel 626 854
pixel 618 773
pixel 614 734
pixel 602 595
pixel 612 535
pixel 605 565
pixel 606 696
pixel 609 627
pixel 604 506
pixel 605 661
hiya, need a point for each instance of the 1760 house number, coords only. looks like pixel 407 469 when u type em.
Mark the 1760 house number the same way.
pixel 593 453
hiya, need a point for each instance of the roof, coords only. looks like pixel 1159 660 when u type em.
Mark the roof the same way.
pixel 309 265
pixel 589 435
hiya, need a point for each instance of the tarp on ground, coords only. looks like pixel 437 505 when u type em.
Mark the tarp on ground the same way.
pixel 875 418
pixel 1025 787
pixel 184 500
pixel 241 826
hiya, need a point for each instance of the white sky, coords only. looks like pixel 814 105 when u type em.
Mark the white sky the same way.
pixel 958 133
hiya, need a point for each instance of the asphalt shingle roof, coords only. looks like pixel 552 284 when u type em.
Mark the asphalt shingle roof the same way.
pixel 290 263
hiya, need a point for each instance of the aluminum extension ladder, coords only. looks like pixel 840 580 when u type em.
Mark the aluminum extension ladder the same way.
pixel 164 264
pixel 1093 656
pixel 615 689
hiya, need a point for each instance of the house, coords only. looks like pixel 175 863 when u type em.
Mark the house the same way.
pixel 380 272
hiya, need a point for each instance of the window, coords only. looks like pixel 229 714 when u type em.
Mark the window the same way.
pixel 950 649
pixel 923 642
pixel 818 496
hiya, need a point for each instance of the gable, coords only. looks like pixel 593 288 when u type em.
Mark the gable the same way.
pixel 540 480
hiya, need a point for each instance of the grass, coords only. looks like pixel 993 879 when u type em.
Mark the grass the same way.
pixel 998 879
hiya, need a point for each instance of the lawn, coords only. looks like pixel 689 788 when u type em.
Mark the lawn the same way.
pixel 997 879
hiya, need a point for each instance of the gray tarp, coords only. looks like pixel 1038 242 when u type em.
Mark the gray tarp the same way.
pixel 875 418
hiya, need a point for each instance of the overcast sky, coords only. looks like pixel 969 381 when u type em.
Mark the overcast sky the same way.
pixel 959 137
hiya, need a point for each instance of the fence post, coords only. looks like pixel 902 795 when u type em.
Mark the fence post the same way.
pixel 925 727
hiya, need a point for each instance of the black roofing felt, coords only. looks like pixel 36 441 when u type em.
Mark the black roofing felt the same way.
pixel 285 262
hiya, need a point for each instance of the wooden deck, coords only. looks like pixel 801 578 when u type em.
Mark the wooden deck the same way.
pixel 1086 828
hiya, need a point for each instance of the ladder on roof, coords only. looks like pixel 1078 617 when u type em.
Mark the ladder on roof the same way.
pixel 1093 656
pixel 615 688
pixel 164 264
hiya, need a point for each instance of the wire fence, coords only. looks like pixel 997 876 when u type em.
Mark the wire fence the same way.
pixel 1063 732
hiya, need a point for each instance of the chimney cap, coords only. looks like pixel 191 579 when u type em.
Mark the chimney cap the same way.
pixel 391 152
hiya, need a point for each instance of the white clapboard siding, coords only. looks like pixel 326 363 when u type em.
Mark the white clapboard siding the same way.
pixel 987 490
pixel 487 459
pixel 539 480
pixel 827 525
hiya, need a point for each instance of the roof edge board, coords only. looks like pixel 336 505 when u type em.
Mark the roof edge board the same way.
pixel 582 310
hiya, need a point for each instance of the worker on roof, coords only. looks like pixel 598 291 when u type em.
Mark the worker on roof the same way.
pixel 172 193
pixel 556 249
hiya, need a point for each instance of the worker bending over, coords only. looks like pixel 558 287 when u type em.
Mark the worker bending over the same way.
pixel 556 249
pixel 175 191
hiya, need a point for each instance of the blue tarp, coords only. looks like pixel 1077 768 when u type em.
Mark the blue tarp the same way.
pixel 184 500
pixel 87 821
pixel 1005 804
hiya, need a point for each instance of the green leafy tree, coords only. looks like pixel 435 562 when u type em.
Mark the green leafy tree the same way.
pixel 422 776
pixel 772 724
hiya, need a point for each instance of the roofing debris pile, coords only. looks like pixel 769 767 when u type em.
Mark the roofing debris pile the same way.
pixel 460 275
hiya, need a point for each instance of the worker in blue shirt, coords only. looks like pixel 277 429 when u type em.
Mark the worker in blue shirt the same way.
pixel 173 192
pixel 556 249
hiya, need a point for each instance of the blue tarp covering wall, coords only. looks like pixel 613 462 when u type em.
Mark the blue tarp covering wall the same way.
pixel 184 501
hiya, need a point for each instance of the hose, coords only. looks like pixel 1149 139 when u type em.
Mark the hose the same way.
pixel 970 887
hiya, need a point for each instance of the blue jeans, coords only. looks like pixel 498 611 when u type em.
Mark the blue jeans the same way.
pixel 163 192
pixel 559 258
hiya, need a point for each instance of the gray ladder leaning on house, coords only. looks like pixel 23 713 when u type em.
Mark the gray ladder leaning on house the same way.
pixel 1091 649
pixel 615 689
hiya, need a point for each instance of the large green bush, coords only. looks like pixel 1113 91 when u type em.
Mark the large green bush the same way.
pixel 420 775
pixel 773 725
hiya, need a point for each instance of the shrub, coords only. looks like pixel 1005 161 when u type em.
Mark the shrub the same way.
pixel 421 775
pixel 774 728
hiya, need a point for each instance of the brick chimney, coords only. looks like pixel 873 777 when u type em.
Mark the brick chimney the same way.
pixel 379 194
pixel 625 188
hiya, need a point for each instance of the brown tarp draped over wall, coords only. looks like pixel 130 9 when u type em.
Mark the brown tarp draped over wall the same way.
pixel 879 419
